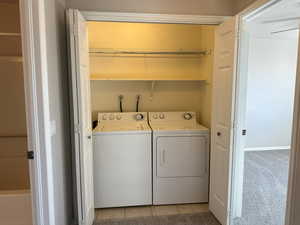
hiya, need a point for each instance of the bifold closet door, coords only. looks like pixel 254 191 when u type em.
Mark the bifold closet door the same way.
pixel 81 115
pixel 222 118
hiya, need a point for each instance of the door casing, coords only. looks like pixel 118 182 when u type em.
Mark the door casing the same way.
pixel 249 13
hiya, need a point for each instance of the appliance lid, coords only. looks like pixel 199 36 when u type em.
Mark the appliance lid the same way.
pixel 178 127
pixel 123 127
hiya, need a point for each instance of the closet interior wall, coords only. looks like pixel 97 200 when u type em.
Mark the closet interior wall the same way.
pixel 151 76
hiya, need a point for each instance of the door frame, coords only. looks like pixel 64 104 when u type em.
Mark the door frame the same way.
pixel 237 171
pixel 140 18
pixel 293 185
pixel 33 35
pixel 152 18
pixel 293 203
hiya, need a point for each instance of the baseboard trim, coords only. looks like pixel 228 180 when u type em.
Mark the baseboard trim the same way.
pixel 268 148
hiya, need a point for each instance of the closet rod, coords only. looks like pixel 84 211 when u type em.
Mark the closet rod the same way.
pixel 152 52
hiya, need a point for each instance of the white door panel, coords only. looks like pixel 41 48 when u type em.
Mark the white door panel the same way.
pixel 222 119
pixel 181 156
pixel 81 109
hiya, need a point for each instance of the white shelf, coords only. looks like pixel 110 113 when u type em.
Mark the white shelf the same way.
pixel 131 77
pixel 10 34
pixel 11 59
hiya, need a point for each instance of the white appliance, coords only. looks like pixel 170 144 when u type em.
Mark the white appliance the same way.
pixel 122 160
pixel 180 158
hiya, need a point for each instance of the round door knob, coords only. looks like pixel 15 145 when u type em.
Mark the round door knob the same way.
pixel 219 134
pixel 89 137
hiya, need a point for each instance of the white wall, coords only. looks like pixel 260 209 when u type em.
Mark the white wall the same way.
pixel 271 80
pixel 201 7
pixel 59 109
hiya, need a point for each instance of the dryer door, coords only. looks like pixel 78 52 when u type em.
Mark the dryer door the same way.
pixel 182 156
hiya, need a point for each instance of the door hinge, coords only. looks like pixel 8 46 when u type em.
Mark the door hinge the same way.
pixel 229 215
pixel 75 34
pixel 77 128
pixel 244 132
pixel 30 155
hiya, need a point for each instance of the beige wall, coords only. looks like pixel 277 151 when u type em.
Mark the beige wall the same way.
pixel 13 141
pixel 201 7
pixel 167 95
pixel 239 5
pixel 110 36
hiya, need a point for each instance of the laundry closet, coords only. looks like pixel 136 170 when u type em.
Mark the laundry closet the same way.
pixel 142 99
pixel 168 65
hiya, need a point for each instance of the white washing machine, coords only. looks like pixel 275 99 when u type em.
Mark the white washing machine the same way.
pixel 180 158
pixel 122 160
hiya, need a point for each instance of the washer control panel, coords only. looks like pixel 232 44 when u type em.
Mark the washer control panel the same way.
pixel 130 116
pixel 139 116
pixel 187 116
pixel 159 115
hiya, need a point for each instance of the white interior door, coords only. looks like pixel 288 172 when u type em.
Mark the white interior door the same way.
pixel 240 133
pixel 222 118
pixel 81 109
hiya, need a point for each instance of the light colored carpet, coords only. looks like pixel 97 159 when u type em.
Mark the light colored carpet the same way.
pixel 265 188
pixel 182 219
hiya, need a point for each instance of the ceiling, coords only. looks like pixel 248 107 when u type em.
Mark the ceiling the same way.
pixel 280 20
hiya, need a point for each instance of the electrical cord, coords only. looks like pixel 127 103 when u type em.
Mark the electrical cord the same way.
pixel 137 102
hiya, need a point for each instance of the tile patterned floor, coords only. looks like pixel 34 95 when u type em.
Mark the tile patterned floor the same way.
pixel 144 211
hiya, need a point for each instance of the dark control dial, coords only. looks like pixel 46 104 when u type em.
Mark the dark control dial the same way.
pixel 187 116
pixel 139 116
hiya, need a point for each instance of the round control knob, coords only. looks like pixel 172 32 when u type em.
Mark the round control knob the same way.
pixel 155 116
pixel 111 116
pixel 187 116
pixel 139 116
pixel 161 116
pixel 104 117
pixel 119 117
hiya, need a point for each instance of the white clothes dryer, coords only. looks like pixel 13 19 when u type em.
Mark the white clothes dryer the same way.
pixel 180 158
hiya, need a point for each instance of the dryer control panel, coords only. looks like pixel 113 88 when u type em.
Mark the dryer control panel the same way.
pixel 172 117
